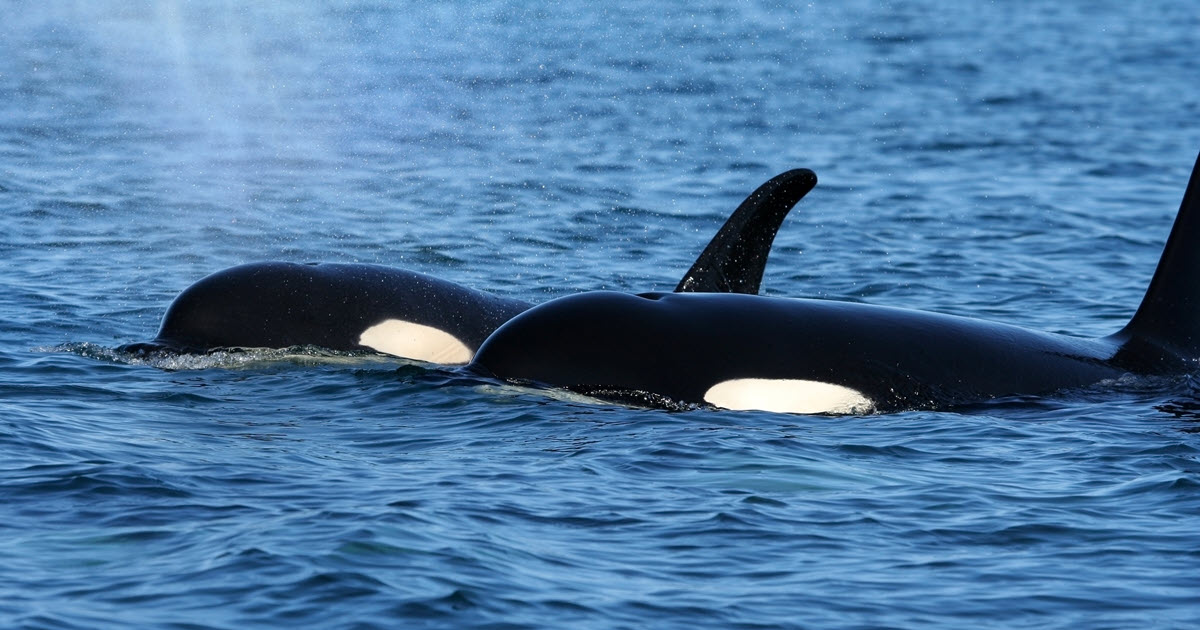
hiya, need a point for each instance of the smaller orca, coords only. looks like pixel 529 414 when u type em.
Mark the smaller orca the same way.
pixel 334 306
pixel 823 356
pixel 416 316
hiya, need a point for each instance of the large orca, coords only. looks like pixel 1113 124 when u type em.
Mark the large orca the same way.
pixel 821 356
pixel 413 315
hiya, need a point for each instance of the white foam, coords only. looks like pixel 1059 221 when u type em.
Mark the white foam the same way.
pixel 416 341
pixel 787 396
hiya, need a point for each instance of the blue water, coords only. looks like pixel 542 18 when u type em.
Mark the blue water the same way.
pixel 1019 161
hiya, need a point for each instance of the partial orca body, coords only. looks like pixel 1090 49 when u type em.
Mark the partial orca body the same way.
pixel 819 356
pixel 333 306
pixel 783 354
pixel 413 315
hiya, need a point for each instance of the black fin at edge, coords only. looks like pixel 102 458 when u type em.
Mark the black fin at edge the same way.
pixel 1169 315
pixel 734 259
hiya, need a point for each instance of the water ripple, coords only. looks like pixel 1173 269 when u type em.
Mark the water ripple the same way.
pixel 1018 163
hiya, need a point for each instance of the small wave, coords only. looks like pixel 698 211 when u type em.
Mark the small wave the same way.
pixel 602 167
pixel 233 358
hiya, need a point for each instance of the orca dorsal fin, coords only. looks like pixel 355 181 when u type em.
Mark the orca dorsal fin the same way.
pixel 734 260
pixel 1169 316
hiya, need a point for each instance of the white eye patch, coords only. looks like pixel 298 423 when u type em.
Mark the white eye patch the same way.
pixel 416 341
pixel 787 396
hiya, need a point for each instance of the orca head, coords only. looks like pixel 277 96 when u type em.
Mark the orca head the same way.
pixel 337 306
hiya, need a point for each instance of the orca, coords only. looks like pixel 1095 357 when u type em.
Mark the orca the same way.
pixel 829 357
pixel 334 306
pixel 416 316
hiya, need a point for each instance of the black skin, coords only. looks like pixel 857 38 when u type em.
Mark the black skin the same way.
pixel 279 305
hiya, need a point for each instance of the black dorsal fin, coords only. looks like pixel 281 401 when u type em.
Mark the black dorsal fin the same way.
pixel 734 260
pixel 1169 316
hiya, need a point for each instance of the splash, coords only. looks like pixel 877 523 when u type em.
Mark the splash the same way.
pixel 230 359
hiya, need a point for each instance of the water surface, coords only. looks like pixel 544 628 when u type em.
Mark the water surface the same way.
pixel 1015 161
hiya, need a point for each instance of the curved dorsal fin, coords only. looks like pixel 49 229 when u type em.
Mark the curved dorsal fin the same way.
pixel 1169 316
pixel 734 260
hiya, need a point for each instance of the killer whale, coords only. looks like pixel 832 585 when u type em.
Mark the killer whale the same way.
pixel 821 356
pixel 330 305
pixel 417 316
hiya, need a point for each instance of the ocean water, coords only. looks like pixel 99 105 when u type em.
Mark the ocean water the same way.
pixel 1014 161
